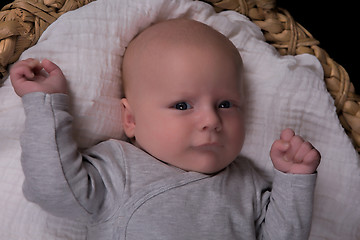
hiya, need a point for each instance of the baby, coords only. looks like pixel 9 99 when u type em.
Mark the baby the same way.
pixel 181 176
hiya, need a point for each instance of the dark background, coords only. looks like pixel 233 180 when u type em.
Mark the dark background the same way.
pixel 332 23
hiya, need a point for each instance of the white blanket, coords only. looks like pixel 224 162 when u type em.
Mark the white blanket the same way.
pixel 88 45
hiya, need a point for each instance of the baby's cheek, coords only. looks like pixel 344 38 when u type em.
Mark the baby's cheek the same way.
pixel 237 133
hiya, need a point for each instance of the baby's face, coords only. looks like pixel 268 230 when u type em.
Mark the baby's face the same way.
pixel 187 110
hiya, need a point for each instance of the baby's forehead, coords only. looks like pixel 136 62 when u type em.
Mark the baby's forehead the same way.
pixel 173 37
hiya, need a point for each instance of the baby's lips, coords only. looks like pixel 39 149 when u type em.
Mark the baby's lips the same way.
pixel 213 146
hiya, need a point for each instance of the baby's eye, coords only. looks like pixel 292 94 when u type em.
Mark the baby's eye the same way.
pixel 225 104
pixel 182 106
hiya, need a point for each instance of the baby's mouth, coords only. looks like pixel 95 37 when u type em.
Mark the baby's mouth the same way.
pixel 211 146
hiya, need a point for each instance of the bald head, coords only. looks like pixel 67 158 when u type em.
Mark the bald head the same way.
pixel 179 32
pixel 164 38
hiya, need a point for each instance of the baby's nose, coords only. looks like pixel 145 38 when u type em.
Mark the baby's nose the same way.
pixel 210 120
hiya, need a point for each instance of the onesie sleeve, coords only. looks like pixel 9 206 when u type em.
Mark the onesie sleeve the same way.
pixel 57 176
pixel 286 211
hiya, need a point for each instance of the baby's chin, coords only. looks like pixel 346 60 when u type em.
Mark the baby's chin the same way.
pixel 205 164
pixel 206 160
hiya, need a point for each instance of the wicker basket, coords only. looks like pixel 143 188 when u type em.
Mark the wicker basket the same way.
pixel 23 21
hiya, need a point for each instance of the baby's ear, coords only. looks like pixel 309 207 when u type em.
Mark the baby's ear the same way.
pixel 127 118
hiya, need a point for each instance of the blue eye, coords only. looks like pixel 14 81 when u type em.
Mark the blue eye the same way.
pixel 225 104
pixel 182 106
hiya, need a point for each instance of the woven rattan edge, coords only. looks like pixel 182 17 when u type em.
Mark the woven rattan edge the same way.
pixel 23 21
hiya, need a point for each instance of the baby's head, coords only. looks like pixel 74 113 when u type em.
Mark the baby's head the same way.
pixel 183 95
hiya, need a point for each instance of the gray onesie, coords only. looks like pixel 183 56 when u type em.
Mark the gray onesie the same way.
pixel 121 192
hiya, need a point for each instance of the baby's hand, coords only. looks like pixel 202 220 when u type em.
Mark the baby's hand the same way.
pixel 28 76
pixel 291 154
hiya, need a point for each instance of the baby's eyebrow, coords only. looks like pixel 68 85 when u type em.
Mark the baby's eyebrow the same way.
pixel 184 94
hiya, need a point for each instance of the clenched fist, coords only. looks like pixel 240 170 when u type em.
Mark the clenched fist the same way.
pixel 32 76
pixel 291 154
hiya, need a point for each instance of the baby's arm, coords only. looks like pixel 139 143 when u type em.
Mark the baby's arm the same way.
pixel 291 154
pixel 289 211
pixel 57 177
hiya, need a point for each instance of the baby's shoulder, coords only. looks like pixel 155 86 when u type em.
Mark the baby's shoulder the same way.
pixel 134 161
pixel 244 169
pixel 242 166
